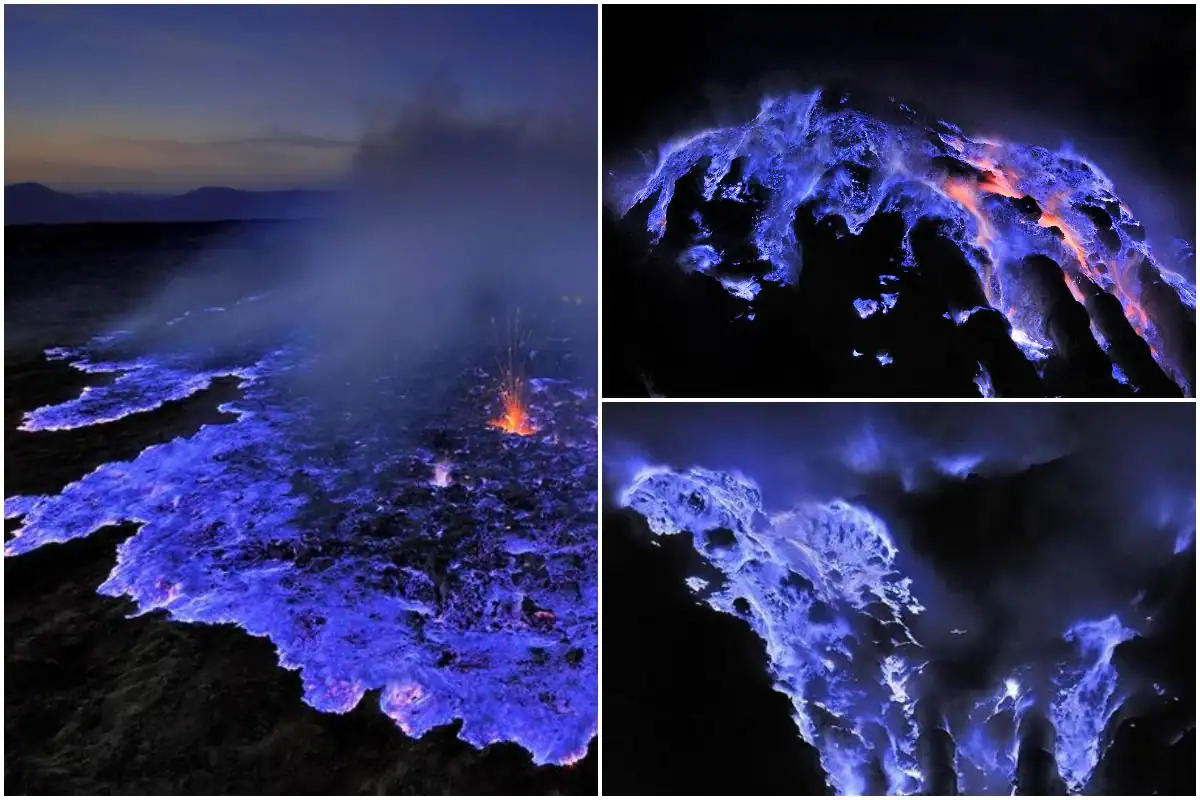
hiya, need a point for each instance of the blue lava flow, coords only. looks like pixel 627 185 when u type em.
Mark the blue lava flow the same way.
pixel 820 584
pixel 461 583
pixel 818 152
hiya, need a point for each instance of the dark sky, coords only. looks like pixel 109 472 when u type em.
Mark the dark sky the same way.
pixel 1118 82
pixel 172 97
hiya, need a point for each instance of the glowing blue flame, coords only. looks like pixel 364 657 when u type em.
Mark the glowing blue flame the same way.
pixel 983 381
pixel 813 584
pixel 818 583
pixel 1185 539
pixel 1087 698
pixel 835 160
pixel 328 548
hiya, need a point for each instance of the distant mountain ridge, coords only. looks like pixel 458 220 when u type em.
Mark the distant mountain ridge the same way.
pixel 34 203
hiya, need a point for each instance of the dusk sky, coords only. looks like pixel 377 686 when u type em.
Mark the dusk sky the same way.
pixel 169 98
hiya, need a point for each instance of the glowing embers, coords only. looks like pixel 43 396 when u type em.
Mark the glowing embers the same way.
pixel 473 600
pixel 515 419
pixel 1001 202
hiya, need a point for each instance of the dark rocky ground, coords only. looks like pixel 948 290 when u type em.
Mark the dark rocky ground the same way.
pixel 96 703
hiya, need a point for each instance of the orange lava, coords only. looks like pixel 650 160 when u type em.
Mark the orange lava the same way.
pixel 996 181
pixel 1002 181
pixel 967 196
pixel 962 193
pixel 1048 220
pixel 515 419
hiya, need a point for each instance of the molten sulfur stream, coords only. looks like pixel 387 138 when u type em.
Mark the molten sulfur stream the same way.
pixel 996 181
pixel 515 418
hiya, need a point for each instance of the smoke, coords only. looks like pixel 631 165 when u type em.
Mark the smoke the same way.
pixel 448 224
pixel 824 449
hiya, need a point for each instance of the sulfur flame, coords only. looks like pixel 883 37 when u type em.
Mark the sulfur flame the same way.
pixel 442 474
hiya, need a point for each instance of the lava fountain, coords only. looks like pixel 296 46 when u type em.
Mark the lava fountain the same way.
pixel 515 418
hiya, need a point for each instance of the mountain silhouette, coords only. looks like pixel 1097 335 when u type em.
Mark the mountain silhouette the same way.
pixel 33 203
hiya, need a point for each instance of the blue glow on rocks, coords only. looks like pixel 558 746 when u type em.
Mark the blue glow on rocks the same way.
pixel 884 304
pixel 821 585
pixel 814 560
pixel 865 308
pixel 1000 202
pixel 983 382
pixel 141 384
pixel 1087 698
pixel 461 583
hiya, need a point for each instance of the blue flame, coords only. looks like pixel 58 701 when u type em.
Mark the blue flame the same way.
pixel 819 558
pixel 1087 698
pixel 836 160
pixel 821 585
pixel 983 382
pixel 329 548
